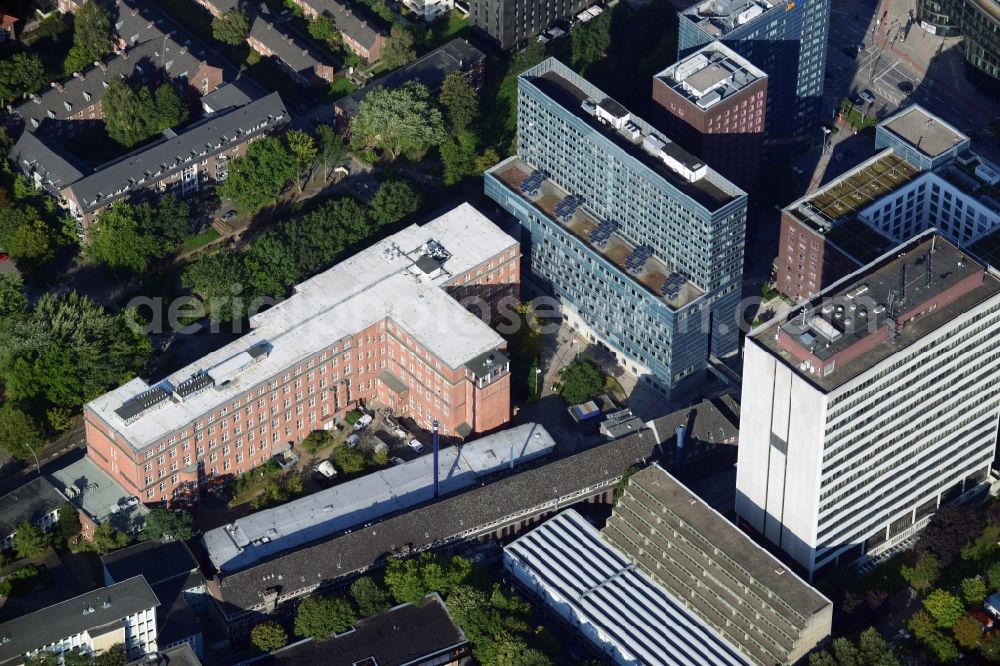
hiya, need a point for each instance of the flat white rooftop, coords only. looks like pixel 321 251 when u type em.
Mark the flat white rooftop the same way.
pixel 711 74
pixel 347 505
pixel 592 586
pixel 379 283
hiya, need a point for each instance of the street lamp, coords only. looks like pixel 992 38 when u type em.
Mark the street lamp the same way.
pixel 538 371
pixel 38 468
pixel 826 143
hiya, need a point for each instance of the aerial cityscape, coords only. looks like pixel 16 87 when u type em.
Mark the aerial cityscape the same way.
pixel 499 332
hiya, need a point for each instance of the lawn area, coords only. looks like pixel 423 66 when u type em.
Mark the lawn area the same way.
pixel 855 117
pixel 201 240
pixel 340 87
pixel 446 28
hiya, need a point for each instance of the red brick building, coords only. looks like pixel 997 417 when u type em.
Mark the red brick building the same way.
pixel 381 328
pixel 712 104
pixel 360 35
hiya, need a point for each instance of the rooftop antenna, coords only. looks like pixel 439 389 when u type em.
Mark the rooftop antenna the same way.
pixel 928 268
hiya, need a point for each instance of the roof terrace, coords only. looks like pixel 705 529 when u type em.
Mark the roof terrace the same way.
pixel 720 17
pixel 710 75
pixel 880 309
pixel 852 192
pixel 685 172
pixel 568 212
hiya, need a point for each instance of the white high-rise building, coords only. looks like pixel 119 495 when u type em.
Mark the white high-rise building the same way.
pixel 872 404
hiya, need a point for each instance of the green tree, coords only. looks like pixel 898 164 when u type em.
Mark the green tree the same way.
pixel 20 73
pixel 166 222
pixel 506 649
pixel 395 200
pixel 942 647
pixel 268 636
pixel 117 241
pixel 91 37
pixel 399 48
pixel 403 119
pixel 303 150
pixel 60 419
pixel 257 179
pixel 369 597
pixel 487 160
pixel 874 651
pixel 822 658
pixel 69 350
pixel 990 647
pixel 944 607
pixel 984 546
pixel 968 632
pixel 29 541
pixel 325 29
pixel 993 576
pixel 410 580
pixel 69 521
pixel 458 156
pixel 348 460
pixel 845 652
pixel 973 591
pixel 330 149
pixel 922 575
pixel 43 658
pixel 19 434
pixel 113 656
pixel 318 617
pixel 24 233
pixel 921 625
pixel 231 28
pixel 167 524
pixel 580 381
pixel 13 302
pixel 132 116
pixel 589 42
pixel 460 101
pixel 107 538
pixel 77 657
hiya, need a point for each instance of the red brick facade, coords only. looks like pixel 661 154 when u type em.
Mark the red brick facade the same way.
pixel 312 394
pixel 806 263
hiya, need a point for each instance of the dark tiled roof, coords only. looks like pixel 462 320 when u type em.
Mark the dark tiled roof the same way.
pixel 71 617
pixel 30 502
pixel 430 69
pixel 55 167
pixel 399 636
pixel 210 137
pixel 135 24
pixel 178 655
pixel 153 560
pixel 226 97
pixel 80 92
pixel 285 47
pixel 349 21
pixel 433 524
pixel 713 421
pixel 175 619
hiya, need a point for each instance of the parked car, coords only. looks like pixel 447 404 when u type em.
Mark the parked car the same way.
pixel 352 441
pixel 228 215
pixel 398 461
pixel 416 446
pixel 905 86
pixel 326 469
pixel 867 96
pixel 363 422
pixel 982 618
pixel 4 256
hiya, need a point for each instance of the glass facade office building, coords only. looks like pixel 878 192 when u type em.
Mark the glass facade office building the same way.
pixel 979 23
pixel 641 241
pixel 785 39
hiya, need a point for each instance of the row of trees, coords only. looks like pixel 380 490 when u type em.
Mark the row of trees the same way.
pixel 56 355
pixel 91 37
pixel 113 656
pixel 295 249
pixel 496 623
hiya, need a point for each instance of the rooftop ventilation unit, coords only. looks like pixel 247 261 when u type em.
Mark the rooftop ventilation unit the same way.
pixel 132 409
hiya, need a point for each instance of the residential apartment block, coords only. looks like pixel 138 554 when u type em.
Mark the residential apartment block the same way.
pixel 122 613
pixel 271 40
pixel 712 104
pixel 387 326
pixel 608 205
pixel 886 200
pixel 511 23
pixel 750 599
pixel 36 502
pixel 430 69
pixel 360 35
pixel 871 405
pixel 787 40
pixel 183 162
pixel 70 107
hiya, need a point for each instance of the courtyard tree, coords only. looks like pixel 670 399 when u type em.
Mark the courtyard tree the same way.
pixel 29 541
pixel 580 381
pixel 403 119
pixel 318 617
pixel 396 199
pixel 369 597
pixel 257 178
pixel 91 37
pixel 231 28
pixel 399 48
pixel 460 101
pixel 268 636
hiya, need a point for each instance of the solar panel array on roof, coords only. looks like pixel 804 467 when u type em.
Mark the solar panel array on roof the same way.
pixel 600 235
pixel 566 207
pixel 672 287
pixel 531 184
pixel 194 385
pixel 130 409
pixel 637 260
